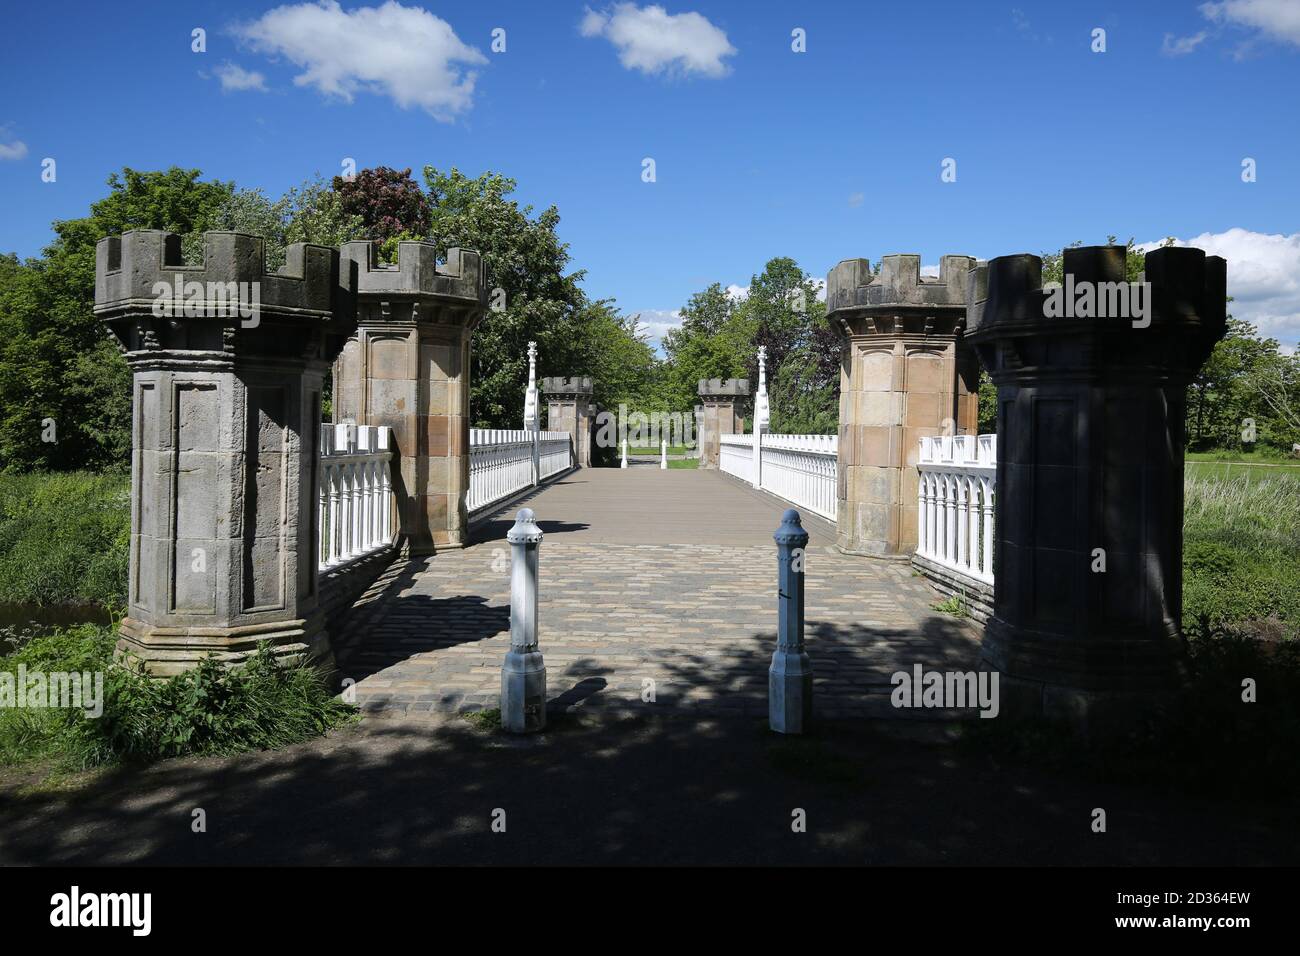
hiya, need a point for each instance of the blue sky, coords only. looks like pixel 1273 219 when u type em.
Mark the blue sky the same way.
pixel 759 151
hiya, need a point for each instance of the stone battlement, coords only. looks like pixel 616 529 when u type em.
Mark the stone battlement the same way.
pixel 417 272
pixel 571 385
pixel 128 267
pixel 731 388
pixel 851 285
pixel 1187 289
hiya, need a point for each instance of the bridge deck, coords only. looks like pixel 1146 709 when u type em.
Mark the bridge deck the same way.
pixel 650 579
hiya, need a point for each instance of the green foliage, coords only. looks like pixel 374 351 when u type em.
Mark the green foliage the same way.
pixel 388 202
pixel 1241 555
pixel 56 360
pixel 720 335
pixel 524 257
pixel 210 710
pixel 64 538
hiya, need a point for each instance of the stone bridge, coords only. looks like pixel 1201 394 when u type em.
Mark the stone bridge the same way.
pixel 375 543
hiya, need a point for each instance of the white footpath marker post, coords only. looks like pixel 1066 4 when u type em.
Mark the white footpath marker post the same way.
pixel 762 416
pixel 523 675
pixel 663 453
pixel 532 414
pixel 624 465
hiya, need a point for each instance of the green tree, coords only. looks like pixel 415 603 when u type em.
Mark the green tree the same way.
pixel 529 265
pixel 57 363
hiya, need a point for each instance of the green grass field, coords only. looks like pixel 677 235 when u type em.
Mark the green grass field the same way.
pixel 1202 465
pixel 672 450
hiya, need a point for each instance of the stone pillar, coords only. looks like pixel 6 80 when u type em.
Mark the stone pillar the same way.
pixel 225 441
pixel 905 374
pixel 408 367
pixel 569 409
pixel 1091 414
pixel 719 401
pixel 699 428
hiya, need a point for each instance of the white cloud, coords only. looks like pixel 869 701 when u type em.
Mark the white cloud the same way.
pixel 654 41
pixel 406 53
pixel 1276 19
pixel 1181 46
pixel 15 150
pixel 856 200
pixel 654 324
pixel 234 77
pixel 1263 278
pixel 737 293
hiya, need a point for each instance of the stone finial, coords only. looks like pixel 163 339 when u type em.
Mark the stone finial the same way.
pixel 531 414
pixel 762 412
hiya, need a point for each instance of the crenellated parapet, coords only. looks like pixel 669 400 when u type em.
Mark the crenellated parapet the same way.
pixel 1178 300
pixel 418 273
pixel 152 299
pixel 725 390
pixel 897 298
pixel 558 385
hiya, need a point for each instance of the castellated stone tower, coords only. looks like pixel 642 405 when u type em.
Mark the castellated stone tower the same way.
pixel 408 367
pixel 718 400
pixel 905 374
pixel 1088 541
pixel 226 410
pixel 569 409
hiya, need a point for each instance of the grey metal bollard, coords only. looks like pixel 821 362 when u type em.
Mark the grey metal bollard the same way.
pixel 523 675
pixel 790 679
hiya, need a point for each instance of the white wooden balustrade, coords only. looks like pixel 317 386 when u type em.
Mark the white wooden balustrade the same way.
pixel 799 468
pixel 736 456
pixel 501 462
pixel 956 498
pixel 355 493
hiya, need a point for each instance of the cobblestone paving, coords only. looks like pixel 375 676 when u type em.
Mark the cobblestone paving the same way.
pixel 688 626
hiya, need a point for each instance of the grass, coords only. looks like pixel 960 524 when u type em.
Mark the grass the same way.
pixel 1241 555
pixel 211 710
pixel 683 463
pixel 1247 466
pixel 672 450
pixel 954 605
pixel 64 539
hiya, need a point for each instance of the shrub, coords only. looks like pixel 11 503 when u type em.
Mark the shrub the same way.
pixel 210 710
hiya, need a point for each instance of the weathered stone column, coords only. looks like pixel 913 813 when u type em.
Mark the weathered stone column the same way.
pixel 905 375
pixel 1091 414
pixel 408 367
pixel 569 409
pixel 225 441
pixel 719 401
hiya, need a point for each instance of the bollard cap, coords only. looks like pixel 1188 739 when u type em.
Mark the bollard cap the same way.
pixel 525 530
pixel 791 531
